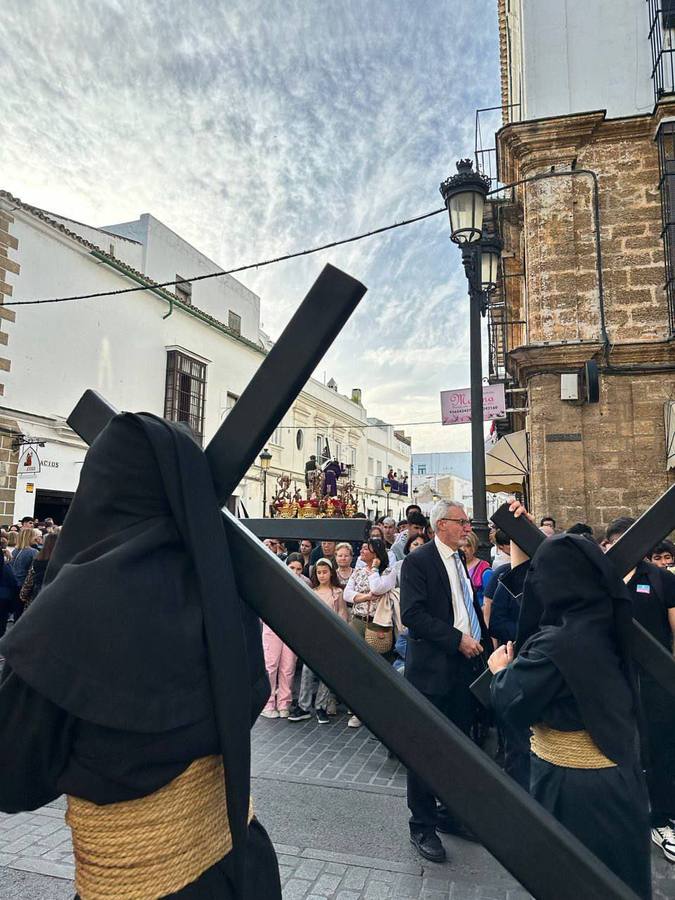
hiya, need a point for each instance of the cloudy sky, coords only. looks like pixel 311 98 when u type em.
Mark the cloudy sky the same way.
pixel 259 127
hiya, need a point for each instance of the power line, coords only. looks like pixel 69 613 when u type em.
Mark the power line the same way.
pixel 219 274
pixel 322 428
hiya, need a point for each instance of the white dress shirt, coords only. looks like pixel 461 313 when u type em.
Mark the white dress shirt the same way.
pixel 458 606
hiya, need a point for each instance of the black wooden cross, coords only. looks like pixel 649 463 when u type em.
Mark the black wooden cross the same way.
pixel 652 526
pixel 522 835
pixel 312 529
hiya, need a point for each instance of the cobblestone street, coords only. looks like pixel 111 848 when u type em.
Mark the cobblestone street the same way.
pixel 334 805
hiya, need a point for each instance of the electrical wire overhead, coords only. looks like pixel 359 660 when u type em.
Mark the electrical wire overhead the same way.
pixel 220 273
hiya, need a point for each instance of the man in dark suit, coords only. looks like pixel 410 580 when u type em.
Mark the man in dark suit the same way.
pixel 446 636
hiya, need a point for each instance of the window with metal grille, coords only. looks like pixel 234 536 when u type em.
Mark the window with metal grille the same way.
pixel 665 138
pixel 184 290
pixel 662 40
pixel 234 321
pixel 185 391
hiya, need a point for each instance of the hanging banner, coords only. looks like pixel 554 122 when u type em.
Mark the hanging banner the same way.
pixel 456 405
pixel 29 462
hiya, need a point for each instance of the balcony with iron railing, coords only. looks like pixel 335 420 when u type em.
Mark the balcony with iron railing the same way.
pixel 662 41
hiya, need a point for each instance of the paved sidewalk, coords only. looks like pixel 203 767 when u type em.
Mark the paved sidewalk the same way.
pixel 39 843
pixel 322 787
pixel 333 754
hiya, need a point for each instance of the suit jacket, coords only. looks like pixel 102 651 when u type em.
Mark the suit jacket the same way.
pixel 433 658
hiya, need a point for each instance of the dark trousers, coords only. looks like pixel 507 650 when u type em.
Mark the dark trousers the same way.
pixel 459 706
pixel 8 607
pixel 659 715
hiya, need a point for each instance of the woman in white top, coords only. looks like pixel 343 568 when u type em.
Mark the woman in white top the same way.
pixel 368 582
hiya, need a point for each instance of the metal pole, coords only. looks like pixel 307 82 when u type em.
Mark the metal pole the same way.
pixel 471 260
pixel 264 476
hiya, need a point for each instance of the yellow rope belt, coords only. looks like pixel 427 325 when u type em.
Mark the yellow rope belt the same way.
pixel 569 749
pixel 147 848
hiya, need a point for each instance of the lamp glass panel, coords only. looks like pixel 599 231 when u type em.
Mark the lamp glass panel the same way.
pixel 466 215
pixel 489 262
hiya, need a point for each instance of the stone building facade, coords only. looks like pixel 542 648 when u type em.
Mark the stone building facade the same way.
pixel 574 293
pixel 9 456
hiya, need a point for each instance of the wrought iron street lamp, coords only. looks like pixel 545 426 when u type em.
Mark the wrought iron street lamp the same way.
pixel 490 254
pixel 386 487
pixel 265 459
pixel 464 195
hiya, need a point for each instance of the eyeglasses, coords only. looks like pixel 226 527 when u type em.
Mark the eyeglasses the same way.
pixel 462 522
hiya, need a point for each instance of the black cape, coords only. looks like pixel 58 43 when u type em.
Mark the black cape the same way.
pixel 584 628
pixel 138 625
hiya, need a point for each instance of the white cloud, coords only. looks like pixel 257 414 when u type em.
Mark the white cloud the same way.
pixel 255 128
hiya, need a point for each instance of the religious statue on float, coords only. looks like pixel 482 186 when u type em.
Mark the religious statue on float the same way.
pixel 330 492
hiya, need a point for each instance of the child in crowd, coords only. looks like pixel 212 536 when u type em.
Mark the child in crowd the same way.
pixel 327 588
pixel 280 660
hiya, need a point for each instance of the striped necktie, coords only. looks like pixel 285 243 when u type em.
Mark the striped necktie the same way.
pixel 468 598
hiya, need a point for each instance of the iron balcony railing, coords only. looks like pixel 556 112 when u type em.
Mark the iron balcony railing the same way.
pixel 662 40
pixel 665 140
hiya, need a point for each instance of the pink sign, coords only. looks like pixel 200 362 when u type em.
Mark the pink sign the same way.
pixel 456 405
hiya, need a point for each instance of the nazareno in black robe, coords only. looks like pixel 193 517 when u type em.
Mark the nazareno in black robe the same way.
pixel 138 656
pixel 575 673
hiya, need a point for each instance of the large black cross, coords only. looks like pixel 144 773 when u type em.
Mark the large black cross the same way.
pixel 652 526
pixel 549 861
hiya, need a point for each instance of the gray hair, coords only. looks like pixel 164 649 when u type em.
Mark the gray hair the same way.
pixel 441 509
pixel 389 521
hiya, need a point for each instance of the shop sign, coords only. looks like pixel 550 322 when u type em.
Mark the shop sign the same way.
pixel 29 462
pixel 456 405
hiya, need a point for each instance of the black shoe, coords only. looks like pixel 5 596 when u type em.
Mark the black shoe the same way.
pixel 298 714
pixel 446 826
pixel 429 846
pixel 322 717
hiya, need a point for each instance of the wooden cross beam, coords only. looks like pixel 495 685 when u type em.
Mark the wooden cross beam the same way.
pixel 533 844
pixel 652 526
pixel 311 529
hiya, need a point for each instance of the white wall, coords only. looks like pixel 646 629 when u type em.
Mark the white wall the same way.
pixel 125 249
pixel 579 56
pixel 167 255
pixel 117 345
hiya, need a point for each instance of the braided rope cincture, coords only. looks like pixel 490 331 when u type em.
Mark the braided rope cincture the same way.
pixel 153 846
pixel 568 749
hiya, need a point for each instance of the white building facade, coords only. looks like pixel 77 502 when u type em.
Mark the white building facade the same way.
pixel 186 355
pixel 563 56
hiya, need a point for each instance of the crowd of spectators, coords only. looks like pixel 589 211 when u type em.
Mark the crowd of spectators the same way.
pixel 25 549
pixel 361 584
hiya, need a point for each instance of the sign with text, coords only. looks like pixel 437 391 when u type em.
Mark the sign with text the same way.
pixel 456 405
pixel 29 462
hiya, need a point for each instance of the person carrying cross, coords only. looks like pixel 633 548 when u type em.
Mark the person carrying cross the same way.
pixel 573 685
pixel 132 681
pixel 652 591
